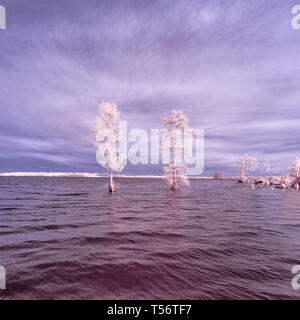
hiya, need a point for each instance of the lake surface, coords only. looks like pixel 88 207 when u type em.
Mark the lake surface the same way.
pixel 67 238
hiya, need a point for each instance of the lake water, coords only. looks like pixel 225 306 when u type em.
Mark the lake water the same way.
pixel 66 238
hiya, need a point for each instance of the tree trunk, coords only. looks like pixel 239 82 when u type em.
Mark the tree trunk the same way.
pixel 111 183
pixel 174 185
pixel 174 181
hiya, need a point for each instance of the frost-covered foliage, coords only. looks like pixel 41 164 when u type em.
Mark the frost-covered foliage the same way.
pixel 107 138
pixel 176 120
pixel 172 140
pixel 295 168
pixel 246 164
pixel 107 118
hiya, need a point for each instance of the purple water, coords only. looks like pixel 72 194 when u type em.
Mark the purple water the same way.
pixel 65 238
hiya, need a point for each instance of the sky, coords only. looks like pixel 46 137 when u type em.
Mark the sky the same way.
pixel 232 67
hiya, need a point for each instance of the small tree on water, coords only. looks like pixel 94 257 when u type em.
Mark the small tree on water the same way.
pixel 246 164
pixel 172 142
pixel 106 140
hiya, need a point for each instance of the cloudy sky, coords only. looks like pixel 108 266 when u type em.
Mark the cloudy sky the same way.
pixel 233 67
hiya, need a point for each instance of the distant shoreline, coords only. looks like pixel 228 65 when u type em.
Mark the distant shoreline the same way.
pixel 91 175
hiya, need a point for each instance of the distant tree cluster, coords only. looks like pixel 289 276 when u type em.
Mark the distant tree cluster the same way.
pixel 290 180
pixel 219 174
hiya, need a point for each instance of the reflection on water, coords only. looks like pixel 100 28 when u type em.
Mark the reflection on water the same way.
pixel 69 238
